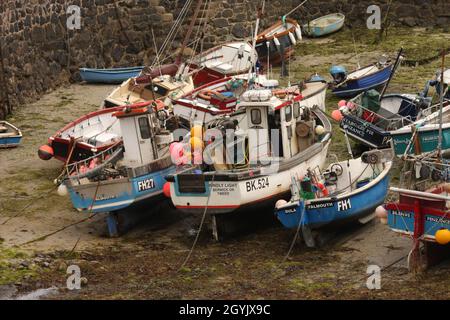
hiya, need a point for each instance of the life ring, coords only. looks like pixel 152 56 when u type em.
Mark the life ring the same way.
pixel 323 190
pixel 207 94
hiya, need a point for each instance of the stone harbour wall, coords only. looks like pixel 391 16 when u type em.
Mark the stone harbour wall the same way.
pixel 38 52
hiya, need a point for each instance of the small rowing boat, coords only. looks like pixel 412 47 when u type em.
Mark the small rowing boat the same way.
pixel 277 42
pixel 10 136
pixel 324 25
pixel 114 75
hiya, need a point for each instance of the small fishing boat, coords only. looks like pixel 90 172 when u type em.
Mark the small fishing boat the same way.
pixel 277 42
pixel 109 76
pixel 324 25
pixel 266 141
pixel 337 195
pixel 424 217
pixel 221 97
pixel 129 172
pixel 422 136
pixel 88 135
pixel 222 61
pixel 369 118
pixel 10 136
pixel 146 88
pixel 349 85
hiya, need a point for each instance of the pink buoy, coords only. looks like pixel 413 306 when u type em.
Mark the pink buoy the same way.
pixel 351 105
pixel 342 103
pixel 381 212
pixel 337 115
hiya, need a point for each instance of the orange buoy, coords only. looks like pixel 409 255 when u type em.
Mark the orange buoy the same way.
pixel 166 189
pixel 337 115
pixel 443 236
pixel 45 152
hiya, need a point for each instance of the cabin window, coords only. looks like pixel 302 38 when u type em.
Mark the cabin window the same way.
pixel 157 89
pixel 296 110
pixel 288 113
pixel 144 127
pixel 256 116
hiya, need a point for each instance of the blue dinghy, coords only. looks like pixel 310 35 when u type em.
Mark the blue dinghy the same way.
pixel 113 76
pixel 324 25
pixel 347 191
pixel 350 85
pixel 10 136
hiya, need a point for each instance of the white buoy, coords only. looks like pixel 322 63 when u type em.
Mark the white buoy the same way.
pixel 62 190
pixel 291 36
pixel 280 203
pixel 320 130
pixel 277 42
pixel 298 32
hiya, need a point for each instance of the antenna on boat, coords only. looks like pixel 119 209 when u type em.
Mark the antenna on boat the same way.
pixel 441 93
pixel 394 68
pixel 255 35
pixel 189 32
pixel 157 54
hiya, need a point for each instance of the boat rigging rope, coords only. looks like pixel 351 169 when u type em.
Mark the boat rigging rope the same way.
pixel 198 231
pixel 41 238
pixel 174 30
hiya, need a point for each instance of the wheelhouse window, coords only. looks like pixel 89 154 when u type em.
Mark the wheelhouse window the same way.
pixel 296 110
pixel 256 116
pixel 144 127
pixel 288 113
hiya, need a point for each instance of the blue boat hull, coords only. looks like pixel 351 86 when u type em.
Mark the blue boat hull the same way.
pixel 10 142
pixel 332 212
pixel 109 76
pixel 354 87
pixel 148 187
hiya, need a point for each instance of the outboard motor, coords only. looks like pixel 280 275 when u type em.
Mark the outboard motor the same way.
pixel 316 78
pixel 339 74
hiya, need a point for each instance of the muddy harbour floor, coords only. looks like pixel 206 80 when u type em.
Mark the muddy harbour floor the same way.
pixel 145 262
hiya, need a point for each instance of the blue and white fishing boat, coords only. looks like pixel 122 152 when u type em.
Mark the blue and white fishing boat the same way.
pixel 349 85
pixel 324 25
pixel 10 136
pixel 113 76
pixel 129 172
pixel 346 191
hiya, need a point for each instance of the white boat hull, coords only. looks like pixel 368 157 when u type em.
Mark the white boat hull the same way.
pixel 228 196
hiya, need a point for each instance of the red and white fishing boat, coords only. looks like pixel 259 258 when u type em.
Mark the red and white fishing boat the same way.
pixel 221 96
pixel 222 61
pixel 89 135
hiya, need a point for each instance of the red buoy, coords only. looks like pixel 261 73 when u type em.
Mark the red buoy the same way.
pixel 166 189
pixel 45 152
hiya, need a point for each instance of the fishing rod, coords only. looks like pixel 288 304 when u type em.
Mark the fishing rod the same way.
pixel 258 20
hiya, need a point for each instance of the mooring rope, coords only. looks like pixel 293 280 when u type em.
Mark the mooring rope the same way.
pixel 198 231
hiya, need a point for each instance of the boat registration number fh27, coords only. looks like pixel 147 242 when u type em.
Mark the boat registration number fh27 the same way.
pixel 146 184
pixel 257 184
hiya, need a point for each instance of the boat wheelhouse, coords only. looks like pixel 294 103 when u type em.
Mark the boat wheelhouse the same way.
pixel 264 143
